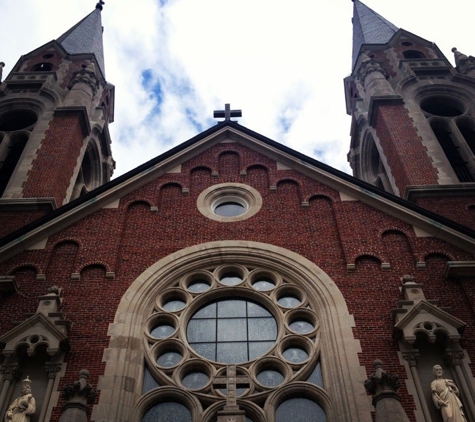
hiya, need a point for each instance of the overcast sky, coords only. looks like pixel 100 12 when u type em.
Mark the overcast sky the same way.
pixel 175 61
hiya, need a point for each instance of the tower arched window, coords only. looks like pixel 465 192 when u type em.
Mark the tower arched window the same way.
pixel 10 152
pixel 466 127
pixel 413 54
pixel 372 169
pixel 452 149
pixel 43 67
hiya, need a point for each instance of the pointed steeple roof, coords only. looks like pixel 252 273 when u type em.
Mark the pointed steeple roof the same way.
pixel 86 37
pixel 369 28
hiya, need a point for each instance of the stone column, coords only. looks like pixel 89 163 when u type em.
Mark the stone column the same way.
pixel 51 369
pixel 454 359
pixel 78 396
pixel 9 372
pixel 411 358
pixel 383 388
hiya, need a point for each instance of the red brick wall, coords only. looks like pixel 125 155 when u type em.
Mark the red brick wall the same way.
pixel 56 159
pixel 402 146
pixel 459 209
pixel 329 232
pixel 11 221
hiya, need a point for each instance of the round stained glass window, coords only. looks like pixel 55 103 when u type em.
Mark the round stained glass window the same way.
pixel 162 331
pixel 195 380
pixel 232 331
pixel 295 355
pixel 229 209
pixel 169 359
pixel 174 305
pixel 263 285
pixel 198 286
pixel 270 378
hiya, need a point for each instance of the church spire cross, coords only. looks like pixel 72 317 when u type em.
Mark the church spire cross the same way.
pixel 227 113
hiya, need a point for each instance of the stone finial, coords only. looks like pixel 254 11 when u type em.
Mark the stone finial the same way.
pixel 458 56
pixel 406 278
pixel 383 387
pixel 464 64
pixel 80 390
pixel 54 290
pixel 77 395
pixel 380 381
pixel 100 5
pixel 2 65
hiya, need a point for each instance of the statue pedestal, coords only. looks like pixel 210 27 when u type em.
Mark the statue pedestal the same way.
pixel 388 407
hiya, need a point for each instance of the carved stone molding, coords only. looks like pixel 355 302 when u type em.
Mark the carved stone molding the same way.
pixel 52 369
pixel 10 372
pixel 454 357
pixel 368 66
pixel 411 357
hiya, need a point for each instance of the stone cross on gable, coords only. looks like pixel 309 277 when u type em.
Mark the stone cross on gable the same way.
pixel 227 113
pixel 231 382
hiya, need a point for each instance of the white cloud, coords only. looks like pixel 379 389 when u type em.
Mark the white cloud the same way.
pixel 282 63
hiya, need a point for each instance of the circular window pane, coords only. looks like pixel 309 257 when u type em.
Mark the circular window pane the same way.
pixel 308 411
pixel 195 380
pixel 270 378
pixel 301 326
pixel 162 331
pixel 169 359
pixel 198 286
pixel 289 301
pixel 232 331
pixel 295 355
pixel 174 305
pixel 166 412
pixel 229 209
pixel 231 279
pixel 263 285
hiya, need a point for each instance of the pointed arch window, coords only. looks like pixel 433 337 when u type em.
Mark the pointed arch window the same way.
pixel 452 150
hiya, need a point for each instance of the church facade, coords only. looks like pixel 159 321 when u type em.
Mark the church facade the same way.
pixel 232 278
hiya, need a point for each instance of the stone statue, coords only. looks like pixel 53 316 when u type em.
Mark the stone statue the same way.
pixel 22 407
pixel 445 397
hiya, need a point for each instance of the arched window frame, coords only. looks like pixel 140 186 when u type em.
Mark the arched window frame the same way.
pixel 121 390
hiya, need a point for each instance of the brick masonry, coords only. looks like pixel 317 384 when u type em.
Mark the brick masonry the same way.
pixel 329 232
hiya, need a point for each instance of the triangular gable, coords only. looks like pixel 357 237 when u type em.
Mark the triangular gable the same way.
pixel 347 185
pixel 429 319
pixel 36 331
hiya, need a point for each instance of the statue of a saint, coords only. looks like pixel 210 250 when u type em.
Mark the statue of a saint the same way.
pixel 22 407
pixel 445 396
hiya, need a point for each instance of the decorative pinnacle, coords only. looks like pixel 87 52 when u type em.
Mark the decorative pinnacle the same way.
pixel 99 5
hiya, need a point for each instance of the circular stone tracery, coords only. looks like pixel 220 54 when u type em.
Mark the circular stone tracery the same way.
pixel 253 317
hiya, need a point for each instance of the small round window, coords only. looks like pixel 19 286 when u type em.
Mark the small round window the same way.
pixel 231 206
pixel 228 202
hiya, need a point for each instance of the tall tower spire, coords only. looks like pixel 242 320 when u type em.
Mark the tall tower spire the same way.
pixel 55 108
pixel 369 28
pixel 413 128
pixel 86 37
